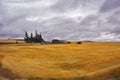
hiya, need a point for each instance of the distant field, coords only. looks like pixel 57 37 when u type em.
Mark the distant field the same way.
pixel 93 60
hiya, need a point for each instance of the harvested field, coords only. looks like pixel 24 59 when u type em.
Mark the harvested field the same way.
pixel 92 60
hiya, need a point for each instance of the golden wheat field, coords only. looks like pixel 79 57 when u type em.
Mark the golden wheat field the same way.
pixel 89 59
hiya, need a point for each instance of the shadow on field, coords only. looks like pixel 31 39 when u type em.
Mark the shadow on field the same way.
pixel 8 74
pixel 76 78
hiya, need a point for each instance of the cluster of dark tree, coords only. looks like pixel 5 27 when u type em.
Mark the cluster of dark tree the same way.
pixel 33 39
pixel 79 42
pixel 38 39
pixel 56 41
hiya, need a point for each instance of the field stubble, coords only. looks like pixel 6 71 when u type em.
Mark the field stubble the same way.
pixel 89 59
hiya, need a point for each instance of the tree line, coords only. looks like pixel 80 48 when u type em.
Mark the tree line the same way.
pixel 33 39
pixel 37 38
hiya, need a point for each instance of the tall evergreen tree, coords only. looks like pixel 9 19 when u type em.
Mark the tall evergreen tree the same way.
pixel 37 38
pixel 26 37
pixel 26 34
pixel 31 38
pixel 41 39
pixel 31 35
pixel 36 34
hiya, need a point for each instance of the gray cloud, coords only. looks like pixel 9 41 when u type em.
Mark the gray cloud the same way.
pixel 110 5
pixel 67 5
pixel 64 19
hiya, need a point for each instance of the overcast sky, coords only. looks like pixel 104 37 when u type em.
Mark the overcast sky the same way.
pixel 62 19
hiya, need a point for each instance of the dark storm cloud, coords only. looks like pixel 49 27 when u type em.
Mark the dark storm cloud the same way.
pixel 110 5
pixel 64 19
